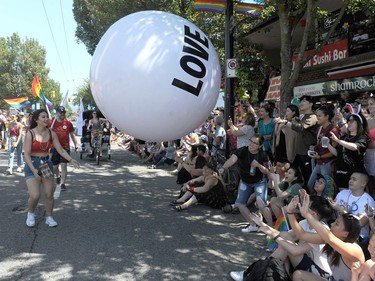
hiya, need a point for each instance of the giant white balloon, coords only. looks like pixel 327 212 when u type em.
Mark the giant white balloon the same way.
pixel 155 75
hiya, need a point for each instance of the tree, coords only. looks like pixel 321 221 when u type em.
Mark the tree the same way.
pixel 19 60
pixel 84 93
pixel 290 13
pixel 95 17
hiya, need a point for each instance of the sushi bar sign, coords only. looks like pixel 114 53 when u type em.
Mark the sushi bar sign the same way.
pixel 329 53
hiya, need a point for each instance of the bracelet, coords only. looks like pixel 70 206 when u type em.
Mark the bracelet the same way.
pixel 277 236
pixel 320 156
pixel 71 159
pixel 192 189
pixel 286 122
pixel 290 213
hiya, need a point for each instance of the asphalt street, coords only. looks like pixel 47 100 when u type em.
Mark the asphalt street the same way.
pixel 115 224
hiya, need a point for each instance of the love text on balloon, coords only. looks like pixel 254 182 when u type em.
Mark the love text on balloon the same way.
pixel 196 48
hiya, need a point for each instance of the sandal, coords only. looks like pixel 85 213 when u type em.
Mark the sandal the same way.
pixel 175 203
pixel 179 208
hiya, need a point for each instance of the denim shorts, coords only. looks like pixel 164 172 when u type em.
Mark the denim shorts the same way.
pixel 246 189
pixel 36 162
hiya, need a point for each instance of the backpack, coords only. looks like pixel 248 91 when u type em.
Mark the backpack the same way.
pixel 269 269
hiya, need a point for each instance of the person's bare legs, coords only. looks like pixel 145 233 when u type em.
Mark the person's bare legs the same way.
pixel 301 275
pixel 276 205
pixel 48 194
pixel 265 211
pixel 64 172
pixel 33 187
pixel 184 197
pixel 189 203
pixel 245 212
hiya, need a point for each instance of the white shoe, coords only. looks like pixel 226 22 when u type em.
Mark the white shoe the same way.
pixel 51 222
pixel 30 220
pixel 9 171
pixel 237 275
pixel 19 170
pixel 250 228
pixel 174 172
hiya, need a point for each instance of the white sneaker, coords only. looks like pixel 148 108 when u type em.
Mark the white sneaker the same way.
pixel 30 220
pixel 9 171
pixel 237 275
pixel 19 170
pixel 51 222
pixel 250 228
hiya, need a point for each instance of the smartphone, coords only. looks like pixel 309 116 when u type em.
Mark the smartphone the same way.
pixel 325 142
pixel 311 152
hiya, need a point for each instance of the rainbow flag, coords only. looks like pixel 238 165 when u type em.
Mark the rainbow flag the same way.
pixel 36 89
pixel 217 6
pixel 18 103
pixel 281 224
pixel 253 8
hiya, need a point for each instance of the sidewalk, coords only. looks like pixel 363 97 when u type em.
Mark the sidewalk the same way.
pixel 115 224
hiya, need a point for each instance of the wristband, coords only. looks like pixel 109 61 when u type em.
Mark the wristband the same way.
pixel 277 236
pixel 286 122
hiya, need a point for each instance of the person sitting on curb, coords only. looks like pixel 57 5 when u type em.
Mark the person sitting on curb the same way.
pixel 354 201
pixel 366 271
pixel 341 247
pixel 212 192
pixel 253 166
pixel 285 190
pixel 306 254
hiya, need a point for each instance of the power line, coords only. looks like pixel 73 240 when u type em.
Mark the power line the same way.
pixel 66 43
pixel 54 41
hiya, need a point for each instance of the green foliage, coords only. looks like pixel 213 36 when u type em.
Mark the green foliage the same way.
pixel 84 92
pixel 95 17
pixel 19 60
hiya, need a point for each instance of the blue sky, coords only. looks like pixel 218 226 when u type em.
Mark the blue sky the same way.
pixel 69 62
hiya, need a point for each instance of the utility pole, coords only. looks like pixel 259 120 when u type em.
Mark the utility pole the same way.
pixel 229 83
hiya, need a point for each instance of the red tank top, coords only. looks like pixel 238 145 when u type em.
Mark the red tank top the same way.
pixel 40 147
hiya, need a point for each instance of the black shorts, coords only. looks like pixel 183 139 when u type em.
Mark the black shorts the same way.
pixel 57 158
pixel 307 264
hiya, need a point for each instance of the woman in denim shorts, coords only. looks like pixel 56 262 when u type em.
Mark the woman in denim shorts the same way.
pixel 38 169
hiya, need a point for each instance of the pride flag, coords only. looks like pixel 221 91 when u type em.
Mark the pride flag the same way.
pixel 217 6
pixel 36 89
pixel 253 8
pixel 18 103
pixel 281 224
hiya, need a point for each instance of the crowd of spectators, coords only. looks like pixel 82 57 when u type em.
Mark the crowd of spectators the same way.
pixel 325 150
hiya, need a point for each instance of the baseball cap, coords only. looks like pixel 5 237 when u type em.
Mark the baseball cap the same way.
pixel 60 109
pixel 203 138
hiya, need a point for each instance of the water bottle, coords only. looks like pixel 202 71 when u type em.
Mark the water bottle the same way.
pixel 252 171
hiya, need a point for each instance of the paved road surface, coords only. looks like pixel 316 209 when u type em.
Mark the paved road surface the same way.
pixel 115 224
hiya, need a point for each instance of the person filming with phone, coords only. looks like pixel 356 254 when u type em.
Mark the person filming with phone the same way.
pixel 319 152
